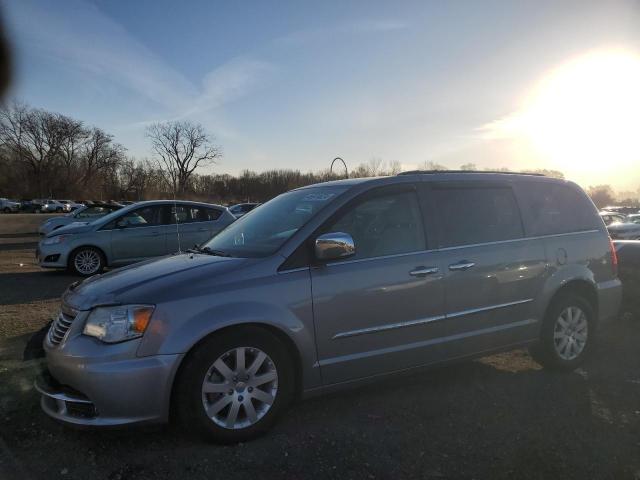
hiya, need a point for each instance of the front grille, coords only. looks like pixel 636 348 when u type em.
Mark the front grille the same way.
pixel 61 325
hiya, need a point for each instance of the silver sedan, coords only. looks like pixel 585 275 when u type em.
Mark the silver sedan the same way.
pixel 131 234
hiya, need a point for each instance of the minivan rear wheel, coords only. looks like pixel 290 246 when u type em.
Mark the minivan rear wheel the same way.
pixel 234 385
pixel 567 334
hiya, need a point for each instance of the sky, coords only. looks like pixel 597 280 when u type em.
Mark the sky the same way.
pixel 295 84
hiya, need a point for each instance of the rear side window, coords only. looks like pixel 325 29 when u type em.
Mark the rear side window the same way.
pixel 193 213
pixel 552 208
pixel 471 215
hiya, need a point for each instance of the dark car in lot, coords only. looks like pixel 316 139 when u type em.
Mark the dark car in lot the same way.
pixel 31 206
pixel 628 252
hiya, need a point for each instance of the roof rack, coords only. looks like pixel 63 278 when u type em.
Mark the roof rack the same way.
pixel 431 172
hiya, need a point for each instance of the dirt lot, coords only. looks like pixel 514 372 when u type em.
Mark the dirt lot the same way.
pixel 497 417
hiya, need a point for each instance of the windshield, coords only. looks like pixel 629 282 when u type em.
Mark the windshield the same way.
pixel 264 230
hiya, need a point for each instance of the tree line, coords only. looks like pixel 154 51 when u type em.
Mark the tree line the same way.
pixel 47 154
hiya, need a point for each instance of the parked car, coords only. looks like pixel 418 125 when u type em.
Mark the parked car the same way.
pixel 9 206
pixel 611 217
pixel 332 285
pixel 627 230
pixel 83 214
pixel 31 206
pixel 130 234
pixel 624 210
pixel 242 209
pixel 50 205
pixel 628 252
pixel 72 205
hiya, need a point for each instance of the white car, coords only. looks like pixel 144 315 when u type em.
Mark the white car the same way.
pixel 86 214
pixel 8 206
pixel 55 206
pixel 72 205
pixel 629 229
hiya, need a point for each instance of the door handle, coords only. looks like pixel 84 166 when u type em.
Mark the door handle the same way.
pixel 463 265
pixel 423 271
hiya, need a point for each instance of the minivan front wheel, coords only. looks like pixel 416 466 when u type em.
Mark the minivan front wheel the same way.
pixel 233 386
pixel 567 334
pixel 86 261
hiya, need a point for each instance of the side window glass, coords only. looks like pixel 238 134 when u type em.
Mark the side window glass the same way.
pixel 180 214
pixel 208 214
pixel 383 225
pixel 553 208
pixel 141 217
pixel 477 215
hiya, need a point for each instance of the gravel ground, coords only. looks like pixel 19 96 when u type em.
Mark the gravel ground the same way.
pixel 496 417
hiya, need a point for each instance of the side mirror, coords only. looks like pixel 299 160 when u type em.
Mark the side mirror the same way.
pixel 333 246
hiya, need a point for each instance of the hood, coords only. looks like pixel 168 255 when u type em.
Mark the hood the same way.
pixel 149 276
pixel 75 227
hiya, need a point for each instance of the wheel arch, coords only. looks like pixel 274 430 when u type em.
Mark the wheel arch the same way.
pixel 580 287
pixel 290 345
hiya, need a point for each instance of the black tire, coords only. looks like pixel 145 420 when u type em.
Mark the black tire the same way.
pixel 546 352
pixel 189 398
pixel 86 251
pixel 58 210
pixel 7 210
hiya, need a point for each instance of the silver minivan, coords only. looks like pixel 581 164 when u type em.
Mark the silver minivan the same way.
pixel 332 285
pixel 137 232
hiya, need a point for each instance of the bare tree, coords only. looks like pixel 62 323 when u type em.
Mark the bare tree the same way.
pixel 35 138
pixel 602 195
pixel 375 166
pixel 99 153
pixel 180 148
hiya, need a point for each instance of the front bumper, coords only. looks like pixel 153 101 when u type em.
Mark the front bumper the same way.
pixel 109 394
pixel 51 256
pixel 97 384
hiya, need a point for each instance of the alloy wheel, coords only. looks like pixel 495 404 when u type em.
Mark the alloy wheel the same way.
pixel 87 262
pixel 570 333
pixel 239 388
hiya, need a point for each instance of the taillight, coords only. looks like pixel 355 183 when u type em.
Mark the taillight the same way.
pixel 614 257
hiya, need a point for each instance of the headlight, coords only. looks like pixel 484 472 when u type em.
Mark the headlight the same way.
pixel 55 240
pixel 118 323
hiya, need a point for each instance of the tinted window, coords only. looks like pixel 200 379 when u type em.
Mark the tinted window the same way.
pixel 383 225
pixel 193 213
pixel 477 215
pixel 552 208
pixel 142 217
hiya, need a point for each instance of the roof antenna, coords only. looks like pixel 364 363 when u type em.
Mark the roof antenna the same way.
pixel 175 214
pixel 175 211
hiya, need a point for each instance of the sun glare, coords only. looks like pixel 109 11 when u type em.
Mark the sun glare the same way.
pixel 583 115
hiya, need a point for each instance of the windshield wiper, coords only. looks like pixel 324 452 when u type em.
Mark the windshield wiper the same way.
pixel 208 251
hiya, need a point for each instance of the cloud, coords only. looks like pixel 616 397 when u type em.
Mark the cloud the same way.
pixel 372 26
pixel 81 36
pixel 362 26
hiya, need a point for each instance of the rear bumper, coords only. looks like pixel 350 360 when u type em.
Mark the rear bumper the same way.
pixel 609 299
